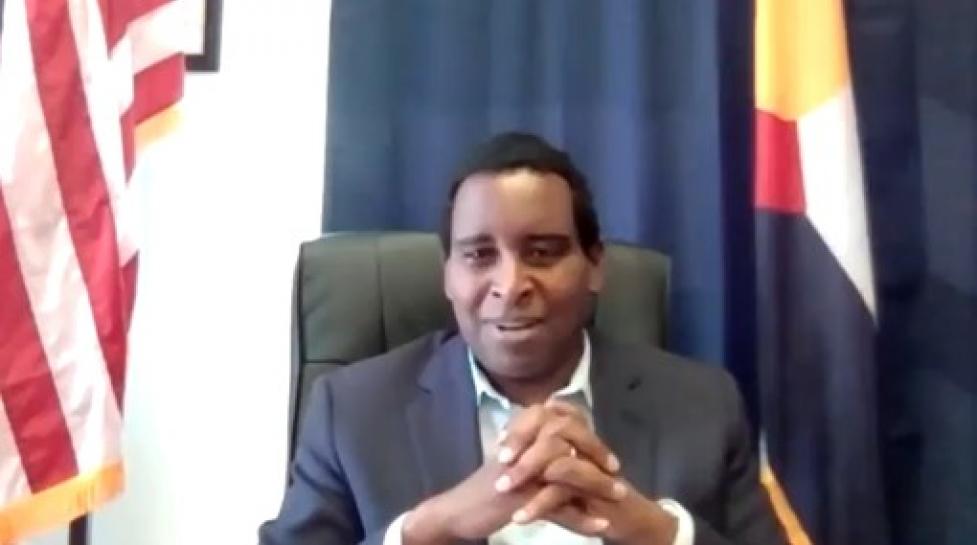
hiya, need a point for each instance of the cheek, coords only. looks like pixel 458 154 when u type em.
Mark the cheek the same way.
pixel 463 290
pixel 569 291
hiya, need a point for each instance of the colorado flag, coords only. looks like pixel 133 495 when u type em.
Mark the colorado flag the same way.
pixel 816 299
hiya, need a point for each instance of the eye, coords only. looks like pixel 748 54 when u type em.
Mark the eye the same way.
pixel 478 257
pixel 542 254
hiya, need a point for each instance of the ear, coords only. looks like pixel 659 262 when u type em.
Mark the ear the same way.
pixel 595 259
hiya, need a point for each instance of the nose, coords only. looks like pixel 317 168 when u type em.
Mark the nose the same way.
pixel 511 283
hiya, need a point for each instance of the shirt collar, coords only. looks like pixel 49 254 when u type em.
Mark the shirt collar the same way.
pixel 579 383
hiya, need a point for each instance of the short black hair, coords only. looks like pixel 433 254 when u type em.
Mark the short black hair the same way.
pixel 515 150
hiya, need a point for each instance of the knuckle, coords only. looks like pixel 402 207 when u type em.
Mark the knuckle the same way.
pixel 515 437
pixel 560 428
pixel 523 469
pixel 546 447
pixel 575 472
pixel 547 430
pixel 565 425
pixel 551 493
pixel 562 469
pixel 527 466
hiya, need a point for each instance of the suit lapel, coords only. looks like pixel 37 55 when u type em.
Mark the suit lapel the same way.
pixel 442 421
pixel 621 414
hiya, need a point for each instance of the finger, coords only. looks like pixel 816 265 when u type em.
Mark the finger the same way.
pixel 564 408
pixel 542 503
pixel 523 429
pixel 586 478
pixel 530 465
pixel 520 433
pixel 583 440
pixel 577 520
pixel 617 511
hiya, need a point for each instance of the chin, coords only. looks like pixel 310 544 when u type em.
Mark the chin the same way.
pixel 522 365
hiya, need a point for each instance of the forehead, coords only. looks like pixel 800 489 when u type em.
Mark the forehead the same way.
pixel 511 204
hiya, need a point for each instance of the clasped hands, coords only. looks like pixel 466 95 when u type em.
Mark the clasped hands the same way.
pixel 550 466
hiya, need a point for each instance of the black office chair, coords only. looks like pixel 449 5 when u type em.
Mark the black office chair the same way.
pixel 358 295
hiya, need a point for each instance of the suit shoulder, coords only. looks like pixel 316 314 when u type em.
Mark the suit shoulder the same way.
pixel 649 360
pixel 389 371
pixel 687 369
pixel 694 395
pixel 673 375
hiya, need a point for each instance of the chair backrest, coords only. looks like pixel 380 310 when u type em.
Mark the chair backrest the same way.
pixel 357 295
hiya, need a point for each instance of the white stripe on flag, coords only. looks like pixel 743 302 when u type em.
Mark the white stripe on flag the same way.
pixel 157 34
pixel 147 41
pixel 12 73
pixel 833 188
pixel 13 480
pixel 106 102
pixel 51 272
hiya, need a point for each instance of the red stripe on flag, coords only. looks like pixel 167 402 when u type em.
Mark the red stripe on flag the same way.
pixel 114 25
pixel 26 385
pixel 80 176
pixel 779 182
pixel 142 7
pixel 157 87
pixel 128 142
pixel 129 277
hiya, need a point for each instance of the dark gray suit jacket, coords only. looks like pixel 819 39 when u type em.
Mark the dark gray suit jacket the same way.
pixel 381 435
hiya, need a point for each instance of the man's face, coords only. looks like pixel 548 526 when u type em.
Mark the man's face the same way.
pixel 520 284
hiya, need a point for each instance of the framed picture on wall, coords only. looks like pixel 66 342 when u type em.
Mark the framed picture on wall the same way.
pixel 203 51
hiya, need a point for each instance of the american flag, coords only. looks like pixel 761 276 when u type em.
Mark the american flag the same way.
pixel 85 85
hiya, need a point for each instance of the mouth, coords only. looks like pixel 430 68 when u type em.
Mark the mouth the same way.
pixel 516 329
pixel 516 325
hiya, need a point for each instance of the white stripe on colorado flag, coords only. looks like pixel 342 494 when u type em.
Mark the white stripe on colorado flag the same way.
pixel 833 188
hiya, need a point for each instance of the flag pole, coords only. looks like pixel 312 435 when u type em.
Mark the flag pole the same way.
pixel 79 531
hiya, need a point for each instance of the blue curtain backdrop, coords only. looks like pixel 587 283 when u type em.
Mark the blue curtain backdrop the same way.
pixel 631 89
pixel 653 98
pixel 915 75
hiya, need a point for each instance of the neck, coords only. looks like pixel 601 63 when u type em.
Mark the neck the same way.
pixel 534 390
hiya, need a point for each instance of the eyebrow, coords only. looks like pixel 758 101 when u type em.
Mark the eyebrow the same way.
pixel 473 240
pixel 549 237
pixel 544 237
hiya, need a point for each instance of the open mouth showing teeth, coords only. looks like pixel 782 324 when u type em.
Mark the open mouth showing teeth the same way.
pixel 517 326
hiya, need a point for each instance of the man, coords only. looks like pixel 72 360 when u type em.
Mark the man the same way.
pixel 525 428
